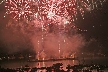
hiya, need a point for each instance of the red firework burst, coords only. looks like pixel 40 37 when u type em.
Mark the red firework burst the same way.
pixel 19 9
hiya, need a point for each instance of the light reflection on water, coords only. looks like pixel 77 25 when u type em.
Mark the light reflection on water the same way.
pixel 37 64
pixel 15 64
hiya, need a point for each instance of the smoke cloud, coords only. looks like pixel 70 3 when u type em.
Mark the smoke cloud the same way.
pixel 51 41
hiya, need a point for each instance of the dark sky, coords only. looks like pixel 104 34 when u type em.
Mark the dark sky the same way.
pixel 95 23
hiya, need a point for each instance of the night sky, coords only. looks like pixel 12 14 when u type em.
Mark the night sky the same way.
pixel 95 23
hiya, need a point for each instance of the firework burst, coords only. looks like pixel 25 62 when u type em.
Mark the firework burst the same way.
pixel 51 22
pixel 62 12
pixel 19 9
pixel 45 12
pixel 50 8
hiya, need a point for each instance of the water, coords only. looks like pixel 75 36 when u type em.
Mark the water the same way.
pixel 16 64
pixel 95 60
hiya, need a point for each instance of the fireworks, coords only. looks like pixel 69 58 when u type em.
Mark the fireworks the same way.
pixel 1 1
pixel 55 10
pixel 46 12
pixel 19 9
pixel 49 19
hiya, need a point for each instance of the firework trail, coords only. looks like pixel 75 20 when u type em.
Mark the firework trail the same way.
pixel 50 11
pixel 1 1
pixel 50 22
